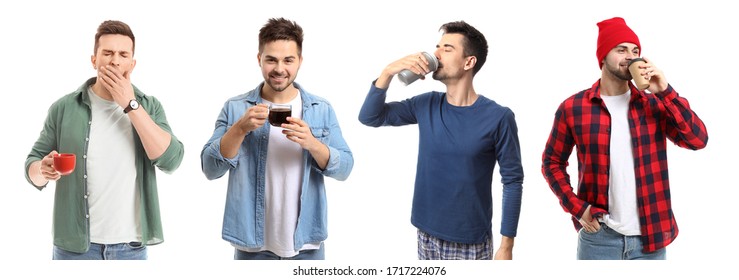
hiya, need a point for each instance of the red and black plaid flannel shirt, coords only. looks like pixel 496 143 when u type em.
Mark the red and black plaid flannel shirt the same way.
pixel 583 121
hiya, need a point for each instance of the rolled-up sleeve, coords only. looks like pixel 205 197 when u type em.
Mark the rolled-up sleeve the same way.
pixel 341 159
pixel 212 162
pixel 172 157
pixel 170 160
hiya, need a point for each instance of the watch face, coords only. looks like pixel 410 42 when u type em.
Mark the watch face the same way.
pixel 134 104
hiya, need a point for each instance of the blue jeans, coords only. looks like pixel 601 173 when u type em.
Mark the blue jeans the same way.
pixel 120 251
pixel 607 244
pixel 317 254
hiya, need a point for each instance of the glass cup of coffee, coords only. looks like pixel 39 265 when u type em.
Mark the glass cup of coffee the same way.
pixel 64 163
pixel 278 114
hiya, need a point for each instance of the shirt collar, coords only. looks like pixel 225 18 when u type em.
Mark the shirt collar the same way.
pixel 594 93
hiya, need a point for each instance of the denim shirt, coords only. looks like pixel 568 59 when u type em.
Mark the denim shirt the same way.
pixel 244 218
pixel 67 129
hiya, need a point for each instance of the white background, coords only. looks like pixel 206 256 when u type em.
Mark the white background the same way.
pixel 194 55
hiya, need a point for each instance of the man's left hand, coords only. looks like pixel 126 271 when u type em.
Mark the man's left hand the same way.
pixel 299 132
pixel 118 84
pixel 657 80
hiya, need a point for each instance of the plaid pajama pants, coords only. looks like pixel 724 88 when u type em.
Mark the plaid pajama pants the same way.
pixel 432 248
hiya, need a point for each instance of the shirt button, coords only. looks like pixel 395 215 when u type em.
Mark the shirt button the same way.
pixel 87 138
pixel 85 176
pixel 87 216
pixel 84 156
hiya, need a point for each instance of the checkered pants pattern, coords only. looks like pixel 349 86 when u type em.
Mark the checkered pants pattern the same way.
pixel 432 248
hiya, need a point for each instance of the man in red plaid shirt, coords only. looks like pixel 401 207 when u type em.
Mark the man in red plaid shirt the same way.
pixel 622 206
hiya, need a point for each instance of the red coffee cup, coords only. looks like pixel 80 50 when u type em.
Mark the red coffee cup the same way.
pixel 64 163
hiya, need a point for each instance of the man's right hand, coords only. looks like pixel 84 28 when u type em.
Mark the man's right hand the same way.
pixel 42 171
pixel 254 118
pixel 416 62
pixel 589 223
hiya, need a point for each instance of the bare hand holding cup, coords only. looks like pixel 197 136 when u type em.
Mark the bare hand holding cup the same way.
pixel 254 118
pixel 647 76
pixel 46 167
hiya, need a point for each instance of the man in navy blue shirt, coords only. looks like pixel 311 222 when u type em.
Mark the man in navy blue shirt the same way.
pixel 462 135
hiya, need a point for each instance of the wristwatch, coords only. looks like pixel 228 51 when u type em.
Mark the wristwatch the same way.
pixel 132 105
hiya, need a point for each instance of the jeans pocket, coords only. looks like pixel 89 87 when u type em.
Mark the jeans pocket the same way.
pixel 135 245
pixel 600 229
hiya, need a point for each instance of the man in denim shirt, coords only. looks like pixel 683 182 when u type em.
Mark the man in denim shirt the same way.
pixel 108 207
pixel 276 200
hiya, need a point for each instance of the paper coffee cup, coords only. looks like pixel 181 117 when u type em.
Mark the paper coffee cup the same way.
pixel 641 82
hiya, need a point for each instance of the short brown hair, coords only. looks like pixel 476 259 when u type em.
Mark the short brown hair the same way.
pixel 114 27
pixel 281 29
pixel 474 42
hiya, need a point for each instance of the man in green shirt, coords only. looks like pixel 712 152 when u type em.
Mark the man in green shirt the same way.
pixel 108 207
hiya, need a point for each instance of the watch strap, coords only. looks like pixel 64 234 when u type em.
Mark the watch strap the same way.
pixel 129 108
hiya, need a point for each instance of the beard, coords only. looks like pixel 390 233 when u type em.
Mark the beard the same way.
pixel 279 87
pixel 439 75
pixel 276 87
pixel 619 73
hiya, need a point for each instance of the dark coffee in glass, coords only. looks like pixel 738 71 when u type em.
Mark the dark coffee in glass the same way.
pixel 278 114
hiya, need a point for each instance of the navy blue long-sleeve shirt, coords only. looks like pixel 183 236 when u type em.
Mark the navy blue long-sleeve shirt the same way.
pixel 457 154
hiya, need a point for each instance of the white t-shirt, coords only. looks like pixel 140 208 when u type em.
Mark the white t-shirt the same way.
pixel 623 216
pixel 113 197
pixel 284 177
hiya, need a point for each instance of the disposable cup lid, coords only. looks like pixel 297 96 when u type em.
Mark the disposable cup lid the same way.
pixel 635 60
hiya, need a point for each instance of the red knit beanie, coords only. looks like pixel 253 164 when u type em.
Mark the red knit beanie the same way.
pixel 611 33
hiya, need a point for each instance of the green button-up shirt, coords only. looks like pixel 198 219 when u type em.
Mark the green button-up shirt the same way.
pixel 67 130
